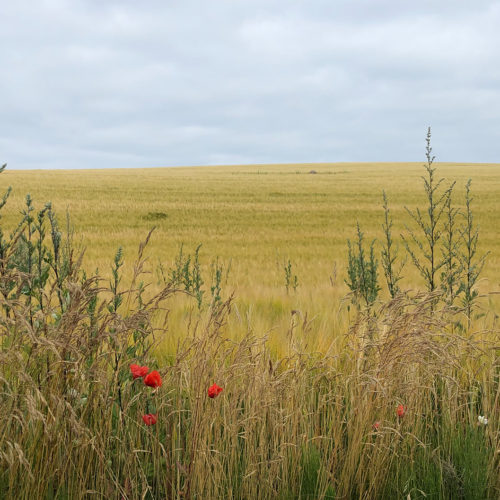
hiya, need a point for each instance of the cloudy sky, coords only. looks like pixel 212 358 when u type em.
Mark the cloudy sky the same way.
pixel 94 84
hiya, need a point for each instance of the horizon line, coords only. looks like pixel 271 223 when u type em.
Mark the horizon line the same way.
pixel 228 165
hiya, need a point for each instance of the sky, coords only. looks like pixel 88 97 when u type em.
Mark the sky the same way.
pixel 105 84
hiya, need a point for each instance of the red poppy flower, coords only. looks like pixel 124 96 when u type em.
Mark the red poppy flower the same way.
pixel 138 371
pixel 153 379
pixel 214 391
pixel 401 411
pixel 376 425
pixel 149 419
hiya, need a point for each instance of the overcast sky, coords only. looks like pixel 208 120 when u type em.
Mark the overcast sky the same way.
pixel 94 84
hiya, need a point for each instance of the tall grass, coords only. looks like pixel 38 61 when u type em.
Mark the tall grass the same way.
pixel 384 406
pixel 301 425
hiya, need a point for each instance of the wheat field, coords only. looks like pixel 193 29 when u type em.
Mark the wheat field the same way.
pixel 254 219
pixel 114 383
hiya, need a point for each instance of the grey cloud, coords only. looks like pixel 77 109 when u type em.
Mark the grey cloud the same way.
pixel 112 84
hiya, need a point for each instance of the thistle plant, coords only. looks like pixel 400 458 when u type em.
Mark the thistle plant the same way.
pixel 423 243
pixel 5 244
pixel 176 273
pixel 362 272
pixel 452 268
pixel 216 271
pixel 60 257
pixel 26 254
pixel 41 266
pixel 470 262
pixel 115 281
pixel 392 271
pixel 195 279
pixel 185 274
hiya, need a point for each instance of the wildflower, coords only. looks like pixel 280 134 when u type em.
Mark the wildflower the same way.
pixel 153 379
pixel 401 411
pixel 214 391
pixel 138 371
pixel 149 419
pixel 482 420
pixel 376 425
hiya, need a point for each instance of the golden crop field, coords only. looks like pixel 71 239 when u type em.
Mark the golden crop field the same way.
pixel 288 394
pixel 254 219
